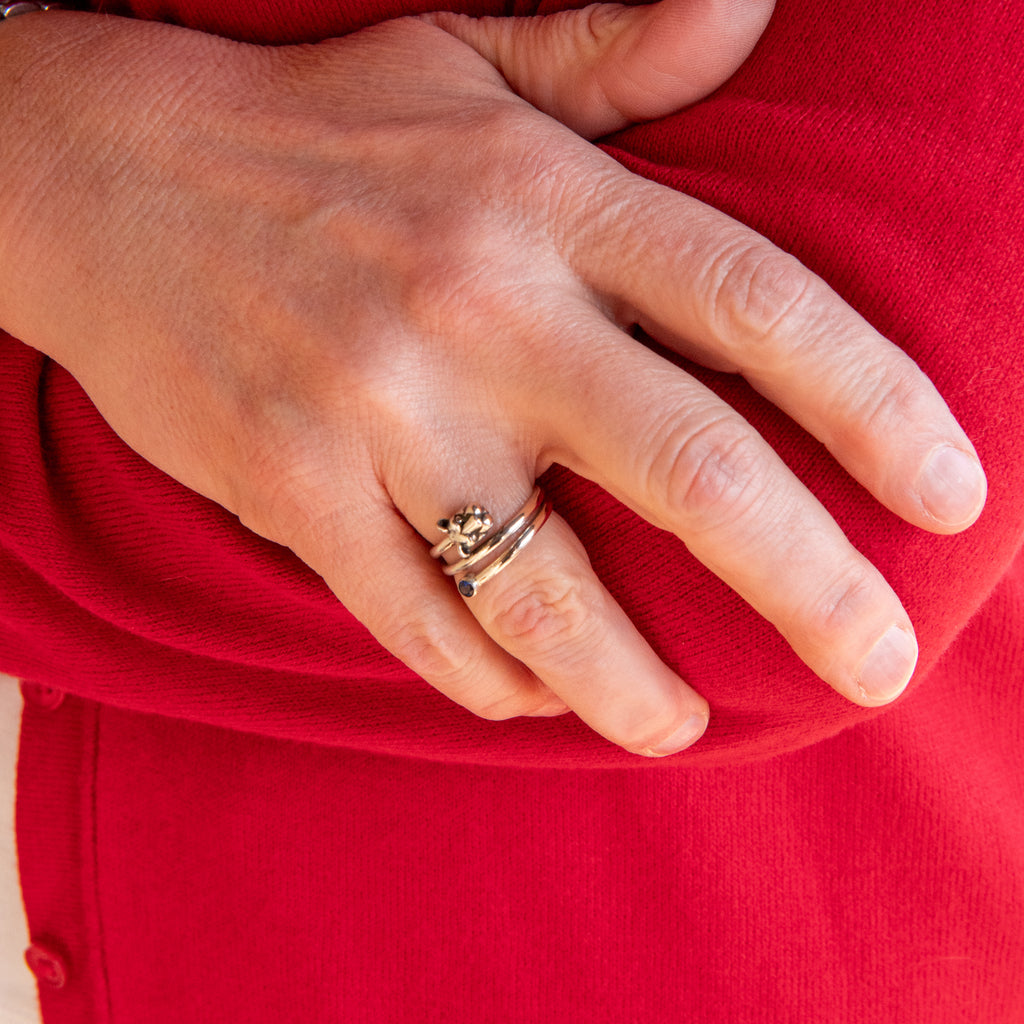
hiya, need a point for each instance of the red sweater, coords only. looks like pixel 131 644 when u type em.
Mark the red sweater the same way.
pixel 234 807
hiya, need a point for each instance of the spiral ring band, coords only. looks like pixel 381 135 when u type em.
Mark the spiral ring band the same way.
pixel 469 530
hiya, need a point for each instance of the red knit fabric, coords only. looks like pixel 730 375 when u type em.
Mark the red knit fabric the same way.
pixel 246 811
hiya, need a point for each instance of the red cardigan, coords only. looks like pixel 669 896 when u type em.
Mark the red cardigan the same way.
pixel 234 807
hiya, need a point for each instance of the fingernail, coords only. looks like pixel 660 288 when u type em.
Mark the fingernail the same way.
pixel 687 734
pixel 888 668
pixel 952 486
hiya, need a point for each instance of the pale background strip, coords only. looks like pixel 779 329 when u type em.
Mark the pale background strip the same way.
pixel 18 1001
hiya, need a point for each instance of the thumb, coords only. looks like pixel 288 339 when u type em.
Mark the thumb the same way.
pixel 608 65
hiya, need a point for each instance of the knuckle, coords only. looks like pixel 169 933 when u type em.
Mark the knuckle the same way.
pixel 849 602
pixel 546 615
pixel 466 292
pixel 712 476
pixel 888 400
pixel 761 295
pixel 280 496
pixel 449 663
pixel 440 298
pixel 433 652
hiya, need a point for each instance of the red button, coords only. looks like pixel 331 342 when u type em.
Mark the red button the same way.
pixel 46 697
pixel 48 967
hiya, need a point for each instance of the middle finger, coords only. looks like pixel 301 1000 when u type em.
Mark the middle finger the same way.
pixel 676 454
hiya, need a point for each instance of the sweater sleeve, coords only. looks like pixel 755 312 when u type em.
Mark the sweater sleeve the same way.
pixel 851 142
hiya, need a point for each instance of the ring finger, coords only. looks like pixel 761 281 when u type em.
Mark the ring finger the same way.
pixel 548 610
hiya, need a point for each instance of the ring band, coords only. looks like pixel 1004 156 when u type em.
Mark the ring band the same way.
pixel 11 10
pixel 469 531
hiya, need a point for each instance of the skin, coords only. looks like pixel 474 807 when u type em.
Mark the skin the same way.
pixel 268 266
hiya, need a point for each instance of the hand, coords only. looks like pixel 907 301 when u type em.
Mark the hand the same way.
pixel 343 289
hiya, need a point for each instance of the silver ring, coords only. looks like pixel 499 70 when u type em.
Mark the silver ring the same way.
pixel 470 531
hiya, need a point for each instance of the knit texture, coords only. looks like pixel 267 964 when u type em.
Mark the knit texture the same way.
pixel 246 811
pixel 191 873
pixel 852 142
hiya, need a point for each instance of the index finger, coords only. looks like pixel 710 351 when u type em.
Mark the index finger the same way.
pixel 713 290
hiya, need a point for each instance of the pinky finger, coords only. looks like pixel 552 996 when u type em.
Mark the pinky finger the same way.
pixel 414 612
